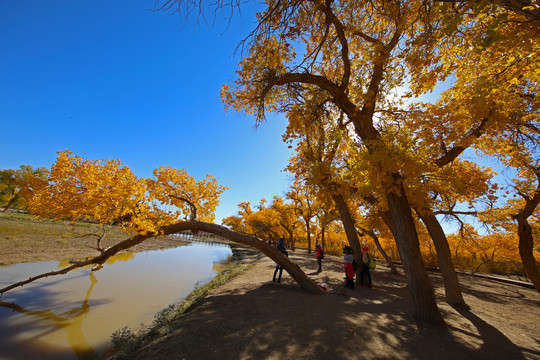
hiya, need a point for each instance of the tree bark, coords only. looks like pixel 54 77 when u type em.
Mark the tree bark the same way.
pixel 526 248
pixel 348 225
pixel 420 289
pixel 444 256
pixel 526 241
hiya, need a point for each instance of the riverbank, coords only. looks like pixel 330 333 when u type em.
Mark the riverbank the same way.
pixel 24 238
pixel 127 342
pixel 252 317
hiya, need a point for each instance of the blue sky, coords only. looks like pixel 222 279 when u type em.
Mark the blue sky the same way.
pixel 114 79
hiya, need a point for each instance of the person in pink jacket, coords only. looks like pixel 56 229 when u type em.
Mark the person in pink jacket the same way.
pixel 349 268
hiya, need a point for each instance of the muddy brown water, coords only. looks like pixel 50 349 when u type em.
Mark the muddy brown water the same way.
pixel 72 316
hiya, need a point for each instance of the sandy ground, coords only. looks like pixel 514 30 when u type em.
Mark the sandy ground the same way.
pixel 252 317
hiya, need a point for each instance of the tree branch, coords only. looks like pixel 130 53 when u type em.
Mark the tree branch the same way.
pixel 193 215
pixel 340 31
pixel 451 155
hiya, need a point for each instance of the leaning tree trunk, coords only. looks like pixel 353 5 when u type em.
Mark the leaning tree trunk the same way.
pixel 11 202
pixel 271 251
pixel 393 269
pixel 526 248
pixel 350 229
pixel 444 256
pixel 195 226
pixel 387 219
pixel 420 289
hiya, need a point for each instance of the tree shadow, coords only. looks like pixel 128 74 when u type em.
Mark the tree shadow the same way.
pixel 494 343
pixel 251 320
pixel 281 321
pixel 35 318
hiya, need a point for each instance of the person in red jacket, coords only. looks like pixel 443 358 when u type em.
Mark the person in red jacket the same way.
pixel 349 267
pixel 320 256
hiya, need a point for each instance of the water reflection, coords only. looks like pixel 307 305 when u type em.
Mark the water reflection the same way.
pixel 73 316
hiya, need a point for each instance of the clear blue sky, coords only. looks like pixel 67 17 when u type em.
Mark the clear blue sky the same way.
pixel 113 79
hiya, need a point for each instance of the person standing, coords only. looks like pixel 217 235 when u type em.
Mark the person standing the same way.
pixel 366 259
pixel 281 247
pixel 349 268
pixel 320 256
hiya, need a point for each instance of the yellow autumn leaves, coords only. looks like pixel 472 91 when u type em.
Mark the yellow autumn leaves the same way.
pixel 106 191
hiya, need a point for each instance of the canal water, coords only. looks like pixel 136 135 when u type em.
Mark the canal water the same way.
pixel 72 316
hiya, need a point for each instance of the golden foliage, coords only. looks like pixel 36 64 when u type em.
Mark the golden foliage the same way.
pixel 107 192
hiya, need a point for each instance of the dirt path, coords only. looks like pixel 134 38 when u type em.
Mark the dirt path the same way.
pixel 251 317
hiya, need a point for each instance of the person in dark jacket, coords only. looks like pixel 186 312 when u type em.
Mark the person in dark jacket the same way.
pixel 281 247
pixel 320 256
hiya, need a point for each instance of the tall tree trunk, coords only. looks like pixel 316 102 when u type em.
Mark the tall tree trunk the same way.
pixel 323 239
pixel 290 241
pixel 444 256
pixel 348 225
pixel 526 241
pixel 526 248
pixel 308 230
pixel 420 289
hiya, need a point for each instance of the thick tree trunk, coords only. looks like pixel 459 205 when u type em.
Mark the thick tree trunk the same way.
pixel 348 225
pixel 420 289
pixel 444 256
pixel 526 248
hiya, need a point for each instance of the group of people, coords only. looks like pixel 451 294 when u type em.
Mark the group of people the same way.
pixel 350 266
